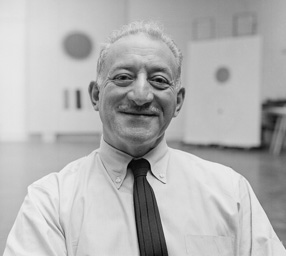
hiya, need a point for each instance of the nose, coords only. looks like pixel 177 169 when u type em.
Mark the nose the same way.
pixel 141 91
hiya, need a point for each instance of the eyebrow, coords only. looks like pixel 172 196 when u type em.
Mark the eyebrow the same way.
pixel 132 67
pixel 127 66
pixel 158 68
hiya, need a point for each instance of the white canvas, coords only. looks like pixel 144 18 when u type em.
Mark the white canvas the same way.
pixel 225 112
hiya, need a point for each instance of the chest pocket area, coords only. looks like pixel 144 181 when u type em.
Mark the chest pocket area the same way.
pixel 209 245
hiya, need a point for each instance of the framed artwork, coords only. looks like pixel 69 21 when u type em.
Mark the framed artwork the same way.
pixel 203 28
pixel 244 24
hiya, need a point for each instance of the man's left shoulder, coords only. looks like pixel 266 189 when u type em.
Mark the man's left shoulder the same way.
pixel 204 170
pixel 197 161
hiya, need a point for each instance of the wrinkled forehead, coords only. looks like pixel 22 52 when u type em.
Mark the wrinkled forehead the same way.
pixel 140 46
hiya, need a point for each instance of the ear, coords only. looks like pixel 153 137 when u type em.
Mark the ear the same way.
pixel 180 100
pixel 93 90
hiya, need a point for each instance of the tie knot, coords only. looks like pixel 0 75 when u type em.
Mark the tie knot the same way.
pixel 139 167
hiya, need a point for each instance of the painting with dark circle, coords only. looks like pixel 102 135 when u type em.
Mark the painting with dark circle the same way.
pixel 222 74
pixel 78 45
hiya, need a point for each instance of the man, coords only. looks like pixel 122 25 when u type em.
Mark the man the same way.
pixel 202 208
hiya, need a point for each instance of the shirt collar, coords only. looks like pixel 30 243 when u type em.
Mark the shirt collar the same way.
pixel 116 161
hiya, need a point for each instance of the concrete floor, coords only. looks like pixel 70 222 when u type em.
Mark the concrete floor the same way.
pixel 23 163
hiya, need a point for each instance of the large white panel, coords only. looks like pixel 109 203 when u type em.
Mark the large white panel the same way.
pixel 223 93
pixel 53 74
pixel 12 70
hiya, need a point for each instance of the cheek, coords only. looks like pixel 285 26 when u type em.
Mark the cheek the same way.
pixel 168 104
pixel 109 100
pixel 105 97
pixel 104 106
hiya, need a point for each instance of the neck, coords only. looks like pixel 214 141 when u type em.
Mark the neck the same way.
pixel 134 148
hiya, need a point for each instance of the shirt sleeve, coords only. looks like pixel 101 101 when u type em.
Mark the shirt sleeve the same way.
pixel 37 230
pixel 256 235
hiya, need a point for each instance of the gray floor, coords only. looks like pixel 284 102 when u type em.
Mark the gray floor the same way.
pixel 23 163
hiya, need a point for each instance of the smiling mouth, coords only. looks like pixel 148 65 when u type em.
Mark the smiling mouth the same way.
pixel 139 114
pixel 149 111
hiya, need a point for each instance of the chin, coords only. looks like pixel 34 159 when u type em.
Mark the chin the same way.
pixel 139 137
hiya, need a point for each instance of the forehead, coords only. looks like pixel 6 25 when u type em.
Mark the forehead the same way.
pixel 140 48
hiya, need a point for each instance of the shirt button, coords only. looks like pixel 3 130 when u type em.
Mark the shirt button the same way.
pixel 118 180
pixel 161 175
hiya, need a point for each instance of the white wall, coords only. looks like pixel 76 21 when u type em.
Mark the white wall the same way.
pixel 273 29
pixel 177 16
pixel 51 71
pixel 12 70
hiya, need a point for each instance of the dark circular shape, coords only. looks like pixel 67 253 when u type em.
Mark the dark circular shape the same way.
pixel 222 74
pixel 78 45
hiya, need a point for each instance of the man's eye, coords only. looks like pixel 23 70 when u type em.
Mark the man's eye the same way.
pixel 160 82
pixel 122 77
pixel 122 80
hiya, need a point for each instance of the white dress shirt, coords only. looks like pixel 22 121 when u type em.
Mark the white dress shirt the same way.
pixel 206 209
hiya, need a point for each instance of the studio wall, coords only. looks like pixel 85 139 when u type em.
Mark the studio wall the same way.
pixel 12 70
pixel 273 31
pixel 63 47
pixel 40 83
pixel 179 17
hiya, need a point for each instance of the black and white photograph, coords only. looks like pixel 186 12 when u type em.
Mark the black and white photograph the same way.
pixel 142 128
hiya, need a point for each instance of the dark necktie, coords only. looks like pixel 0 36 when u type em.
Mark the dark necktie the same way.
pixel 148 223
